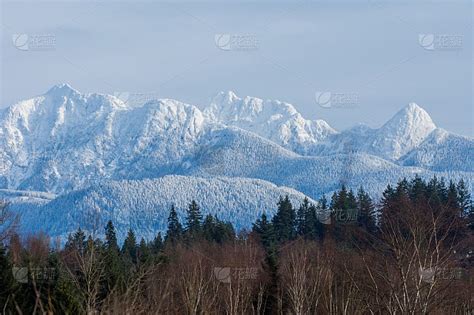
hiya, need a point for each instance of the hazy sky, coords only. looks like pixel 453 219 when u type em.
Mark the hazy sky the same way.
pixel 366 53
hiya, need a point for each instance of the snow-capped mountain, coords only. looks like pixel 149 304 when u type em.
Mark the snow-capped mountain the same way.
pixel 442 150
pixel 281 123
pixel 239 153
pixel 406 130
pixel 63 142
pixel 144 205
pixel 401 134
pixel 273 120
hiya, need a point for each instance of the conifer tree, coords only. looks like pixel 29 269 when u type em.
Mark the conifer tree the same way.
pixel 366 212
pixel 215 230
pixel 144 254
pixel 193 221
pixel 284 221
pixel 129 248
pixel 157 244
pixel 464 198
pixel 303 227
pixel 175 229
pixel 77 241
pixel 111 237
pixel 114 270
pixel 315 228
pixel 264 229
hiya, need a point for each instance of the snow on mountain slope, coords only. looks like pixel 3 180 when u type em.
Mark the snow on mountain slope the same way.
pixel 64 140
pixel 20 196
pixel 144 205
pixel 282 124
pixel 403 132
pixel 442 150
pixel 406 130
pixel 273 120
pixel 239 153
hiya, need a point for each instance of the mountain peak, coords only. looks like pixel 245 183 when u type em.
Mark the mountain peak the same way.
pixel 404 131
pixel 63 89
pixel 412 116
pixel 225 97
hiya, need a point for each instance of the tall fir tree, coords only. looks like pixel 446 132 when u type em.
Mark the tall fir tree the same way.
pixel 111 237
pixel 175 229
pixel 366 212
pixel 284 221
pixel 464 198
pixel 303 226
pixel 144 253
pixel 114 271
pixel 193 221
pixel 157 244
pixel 129 248
pixel 77 241
pixel 264 229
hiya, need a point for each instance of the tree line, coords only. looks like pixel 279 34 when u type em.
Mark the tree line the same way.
pixel 409 253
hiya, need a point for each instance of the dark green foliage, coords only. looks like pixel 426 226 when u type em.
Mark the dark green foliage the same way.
pixel 193 221
pixel 7 283
pixel 215 230
pixel 264 229
pixel 175 229
pixel 284 221
pixel 366 212
pixel 157 244
pixel 450 203
pixel 111 237
pixel 129 248
pixel 114 271
pixel 302 224
pixel 77 241
pixel 144 252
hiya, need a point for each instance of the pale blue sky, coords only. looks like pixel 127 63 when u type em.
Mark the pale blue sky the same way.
pixel 366 47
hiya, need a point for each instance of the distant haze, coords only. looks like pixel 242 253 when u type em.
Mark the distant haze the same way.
pixel 374 57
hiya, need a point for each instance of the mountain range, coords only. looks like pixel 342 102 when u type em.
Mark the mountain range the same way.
pixel 76 146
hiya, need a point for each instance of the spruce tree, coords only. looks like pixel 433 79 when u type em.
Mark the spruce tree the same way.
pixel 157 245
pixel 264 229
pixel 115 269
pixel 366 212
pixel 144 254
pixel 464 198
pixel 129 248
pixel 175 229
pixel 193 221
pixel 111 237
pixel 284 221
pixel 303 227
pixel 77 241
